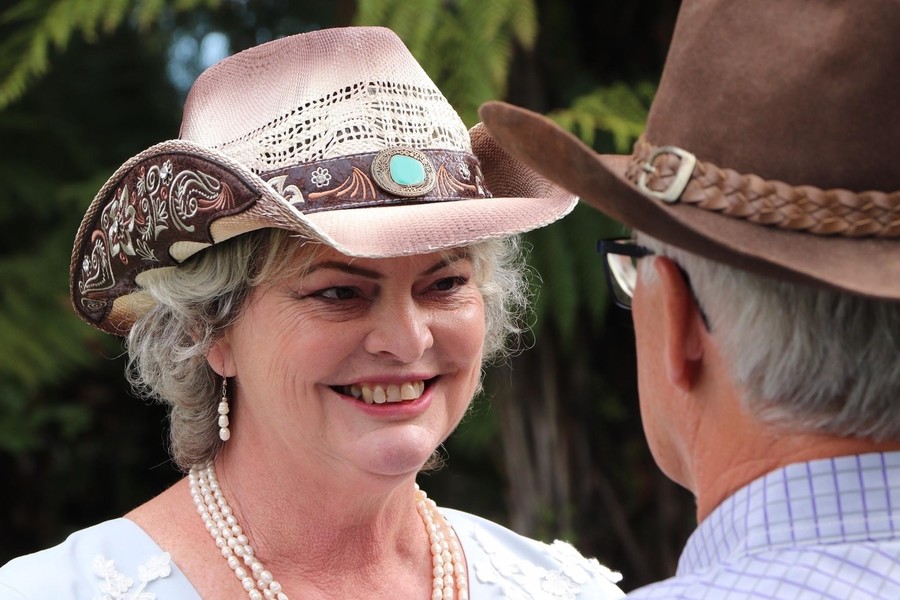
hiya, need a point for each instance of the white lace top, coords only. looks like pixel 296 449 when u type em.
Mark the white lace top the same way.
pixel 117 560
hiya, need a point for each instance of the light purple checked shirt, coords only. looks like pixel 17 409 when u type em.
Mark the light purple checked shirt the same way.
pixel 823 529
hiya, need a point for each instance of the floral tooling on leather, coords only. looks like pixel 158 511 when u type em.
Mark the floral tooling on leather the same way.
pixel 160 201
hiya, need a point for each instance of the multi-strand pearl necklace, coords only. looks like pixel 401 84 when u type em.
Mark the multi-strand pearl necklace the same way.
pixel 449 578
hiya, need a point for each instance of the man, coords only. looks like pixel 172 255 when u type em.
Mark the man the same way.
pixel 765 276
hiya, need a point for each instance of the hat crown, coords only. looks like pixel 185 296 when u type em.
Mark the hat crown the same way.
pixel 800 92
pixel 320 95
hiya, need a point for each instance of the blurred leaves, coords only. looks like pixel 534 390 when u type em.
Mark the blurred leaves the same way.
pixel 59 149
pixel 571 295
pixel 618 110
pixel 465 46
pixel 34 29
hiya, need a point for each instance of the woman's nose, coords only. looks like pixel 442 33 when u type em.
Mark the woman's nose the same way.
pixel 400 328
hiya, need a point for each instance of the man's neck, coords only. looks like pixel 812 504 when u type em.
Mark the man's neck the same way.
pixel 721 471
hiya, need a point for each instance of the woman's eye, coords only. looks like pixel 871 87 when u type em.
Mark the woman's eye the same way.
pixel 338 293
pixel 449 283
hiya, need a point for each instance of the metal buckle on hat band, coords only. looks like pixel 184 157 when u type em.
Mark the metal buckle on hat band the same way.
pixel 673 191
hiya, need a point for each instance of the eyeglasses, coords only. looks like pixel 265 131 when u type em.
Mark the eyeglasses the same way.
pixel 620 258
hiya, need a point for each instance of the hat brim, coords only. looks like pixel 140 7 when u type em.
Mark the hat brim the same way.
pixel 389 231
pixel 864 266
pixel 371 231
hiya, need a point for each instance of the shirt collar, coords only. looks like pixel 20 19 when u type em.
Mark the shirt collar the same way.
pixel 834 500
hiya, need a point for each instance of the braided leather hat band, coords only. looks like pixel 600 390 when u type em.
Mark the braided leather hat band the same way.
pixel 674 175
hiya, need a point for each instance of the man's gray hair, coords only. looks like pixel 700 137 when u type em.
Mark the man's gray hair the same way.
pixel 810 359
pixel 196 303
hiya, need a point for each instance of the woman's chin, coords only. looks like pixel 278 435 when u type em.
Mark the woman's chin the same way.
pixel 397 456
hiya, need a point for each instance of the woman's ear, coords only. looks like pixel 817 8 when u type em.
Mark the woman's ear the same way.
pixel 220 358
pixel 682 323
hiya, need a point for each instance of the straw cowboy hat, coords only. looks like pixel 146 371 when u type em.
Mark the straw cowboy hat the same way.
pixel 771 144
pixel 338 135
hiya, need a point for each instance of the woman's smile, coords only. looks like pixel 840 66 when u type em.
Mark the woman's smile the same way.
pixel 381 393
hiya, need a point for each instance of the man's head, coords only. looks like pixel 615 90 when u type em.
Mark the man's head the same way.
pixel 766 185
pixel 805 358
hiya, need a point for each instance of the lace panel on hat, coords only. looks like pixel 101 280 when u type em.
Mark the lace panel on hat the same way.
pixel 358 118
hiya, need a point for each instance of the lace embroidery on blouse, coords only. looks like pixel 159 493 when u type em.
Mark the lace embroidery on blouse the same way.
pixel 117 586
pixel 520 579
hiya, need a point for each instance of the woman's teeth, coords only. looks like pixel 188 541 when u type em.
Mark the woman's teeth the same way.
pixel 376 393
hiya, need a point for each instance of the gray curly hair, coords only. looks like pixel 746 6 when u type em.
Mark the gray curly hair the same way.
pixel 810 359
pixel 195 304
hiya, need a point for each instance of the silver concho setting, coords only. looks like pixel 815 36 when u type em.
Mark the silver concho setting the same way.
pixel 403 171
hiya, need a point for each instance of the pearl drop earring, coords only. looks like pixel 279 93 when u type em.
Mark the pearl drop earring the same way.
pixel 224 432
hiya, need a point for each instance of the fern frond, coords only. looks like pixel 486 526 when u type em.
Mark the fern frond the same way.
pixel 465 46
pixel 618 110
pixel 39 26
pixel 145 11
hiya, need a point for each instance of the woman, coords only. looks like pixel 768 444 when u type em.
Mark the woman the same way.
pixel 311 277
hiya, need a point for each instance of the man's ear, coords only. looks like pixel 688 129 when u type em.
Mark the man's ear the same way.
pixel 682 333
pixel 221 359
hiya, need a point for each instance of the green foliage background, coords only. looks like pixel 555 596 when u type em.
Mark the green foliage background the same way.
pixel 554 449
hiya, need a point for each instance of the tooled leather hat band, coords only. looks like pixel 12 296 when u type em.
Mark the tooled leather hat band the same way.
pixel 392 176
pixel 675 175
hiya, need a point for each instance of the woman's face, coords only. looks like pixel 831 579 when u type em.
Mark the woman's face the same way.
pixel 356 364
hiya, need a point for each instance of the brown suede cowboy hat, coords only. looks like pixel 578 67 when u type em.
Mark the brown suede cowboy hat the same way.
pixel 771 144
pixel 337 135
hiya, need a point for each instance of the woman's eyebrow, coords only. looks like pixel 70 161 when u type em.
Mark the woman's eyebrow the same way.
pixel 351 269
pixel 445 261
pixel 373 274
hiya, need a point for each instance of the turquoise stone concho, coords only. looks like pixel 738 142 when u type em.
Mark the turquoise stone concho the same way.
pixel 403 171
pixel 406 171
